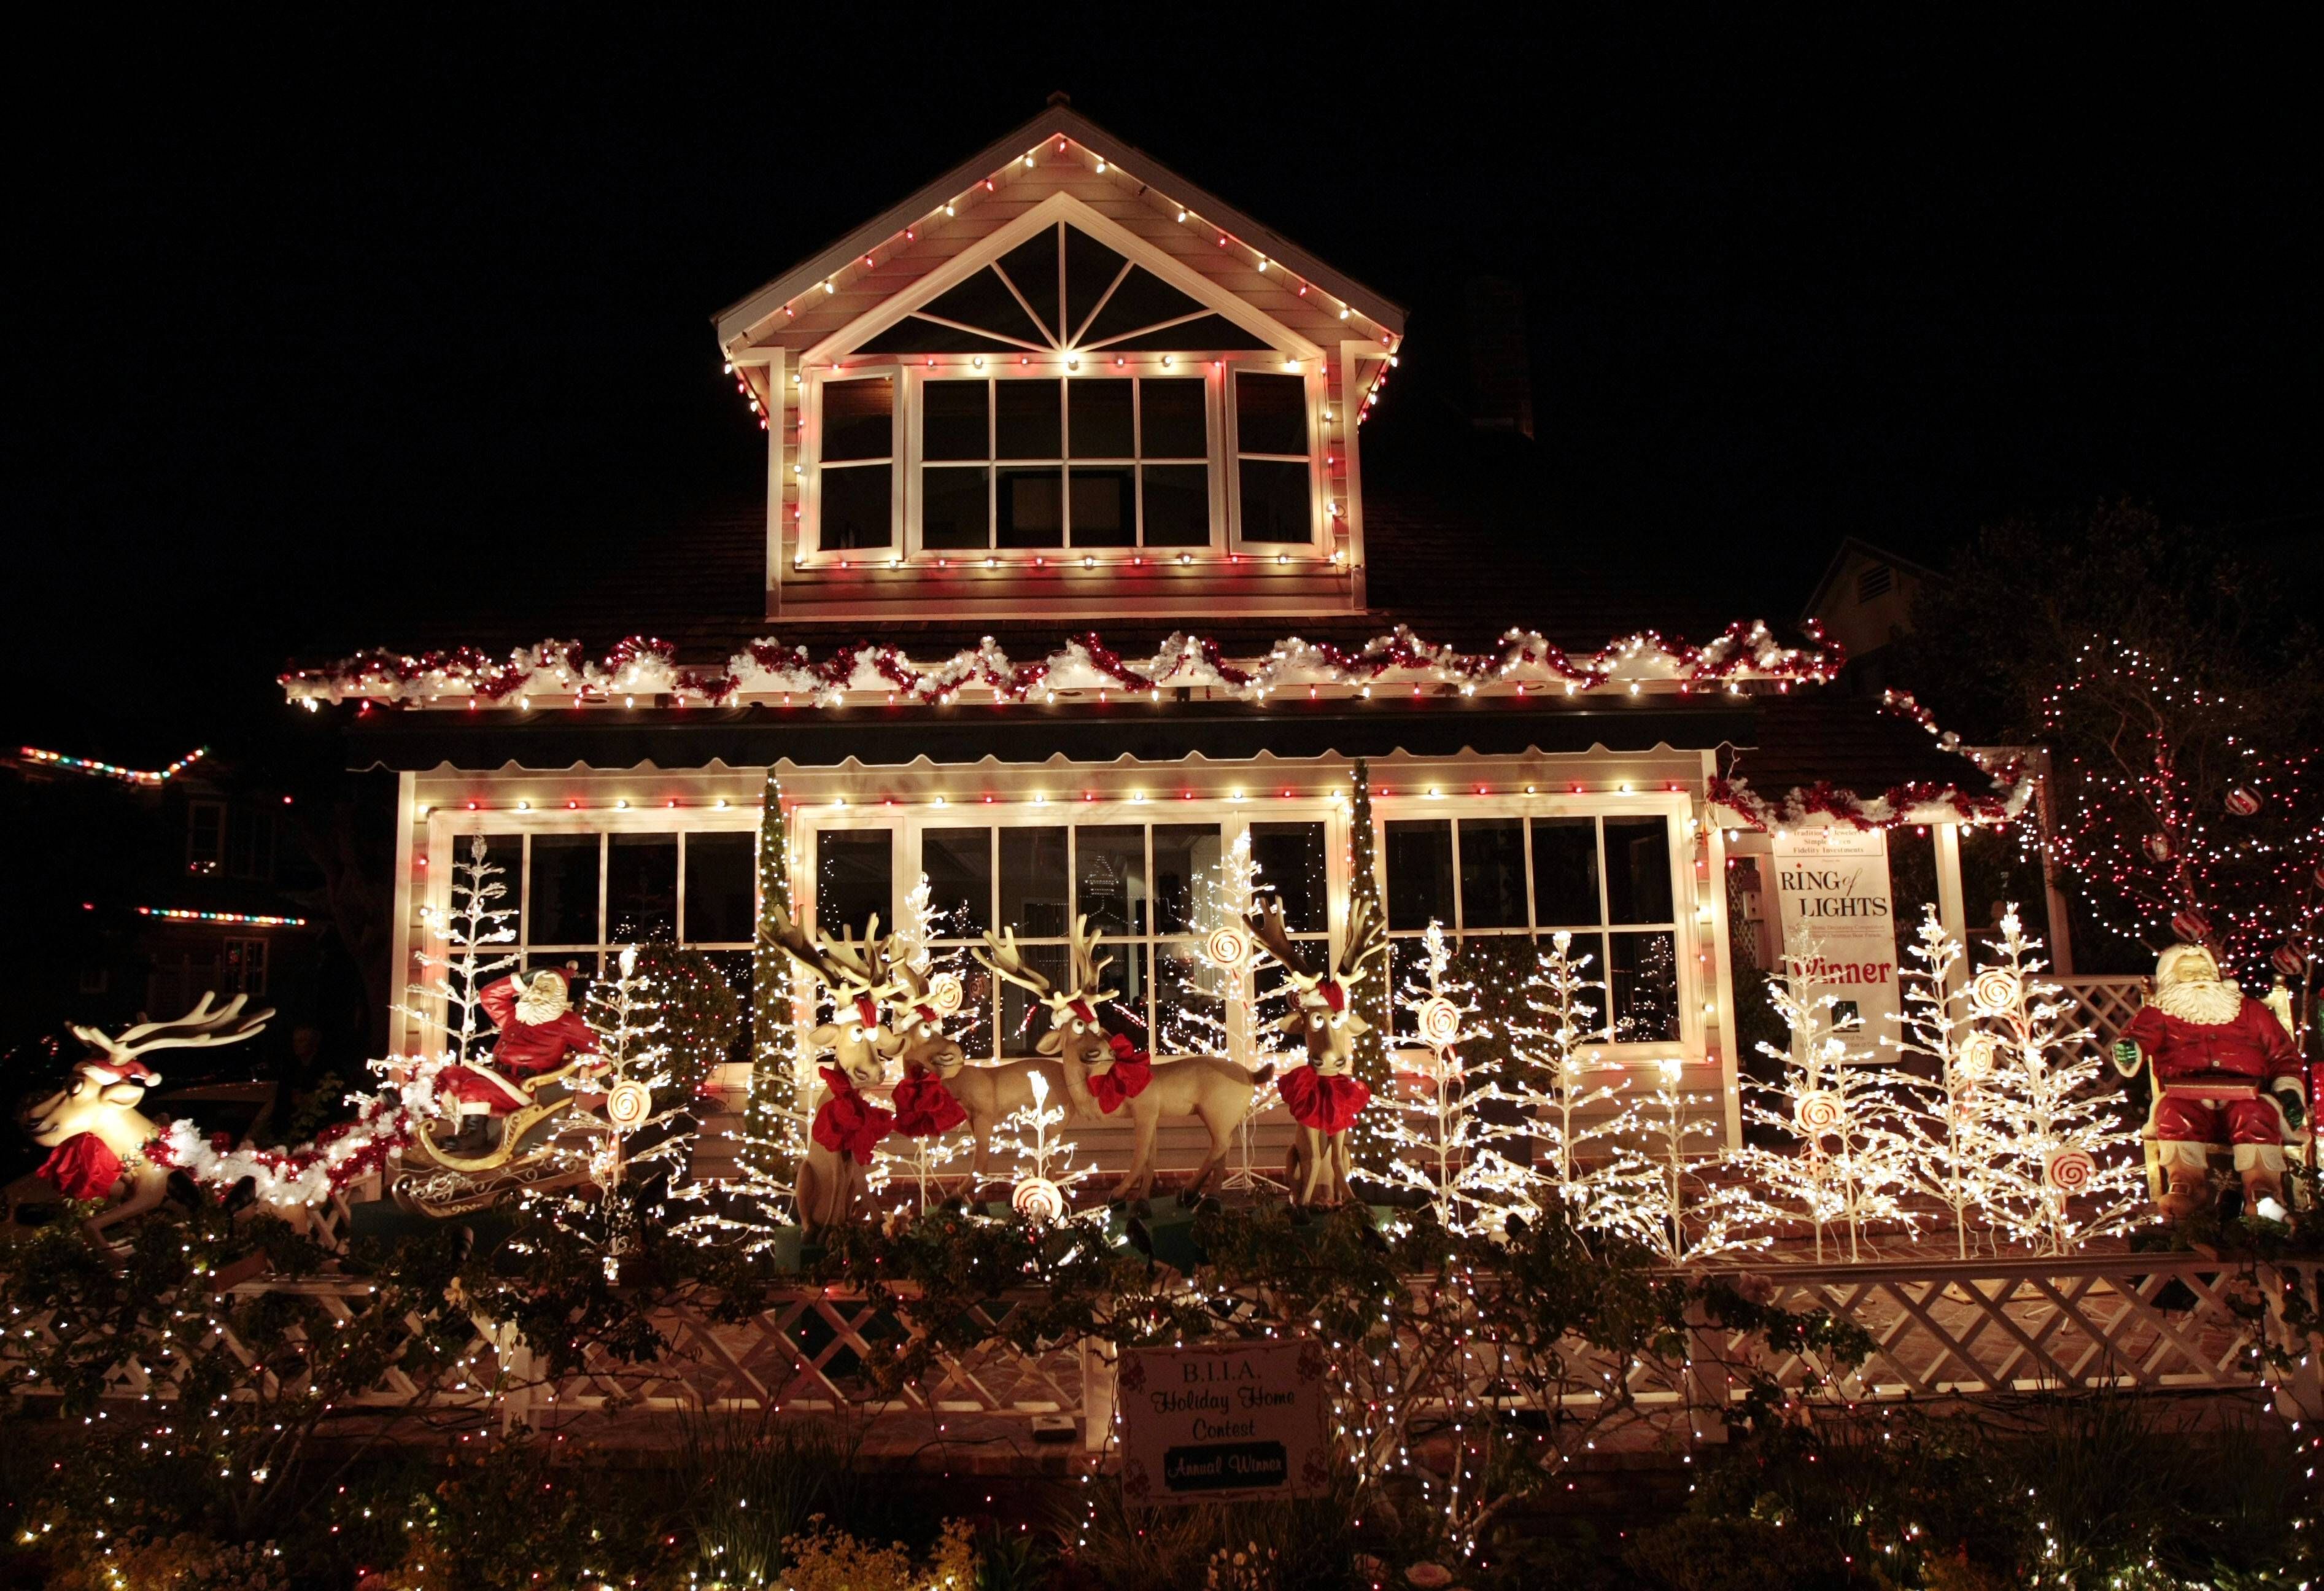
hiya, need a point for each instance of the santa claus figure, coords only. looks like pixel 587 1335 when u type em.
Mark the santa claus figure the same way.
pixel 539 1029
pixel 2226 1076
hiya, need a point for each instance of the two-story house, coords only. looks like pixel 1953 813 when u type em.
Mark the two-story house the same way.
pixel 1078 560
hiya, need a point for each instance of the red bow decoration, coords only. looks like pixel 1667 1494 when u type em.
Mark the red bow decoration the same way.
pixel 1126 1078
pixel 925 1107
pixel 1328 1104
pixel 847 1123
pixel 84 1166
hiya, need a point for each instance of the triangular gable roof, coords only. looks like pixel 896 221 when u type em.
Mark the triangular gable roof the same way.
pixel 1857 546
pixel 735 323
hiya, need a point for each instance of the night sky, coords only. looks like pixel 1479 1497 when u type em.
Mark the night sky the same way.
pixel 306 327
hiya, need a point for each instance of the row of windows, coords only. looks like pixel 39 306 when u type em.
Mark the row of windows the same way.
pixel 1009 463
pixel 1154 889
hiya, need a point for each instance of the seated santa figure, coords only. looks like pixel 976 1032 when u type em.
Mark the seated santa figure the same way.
pixel 539 1029
pixel 2226 1074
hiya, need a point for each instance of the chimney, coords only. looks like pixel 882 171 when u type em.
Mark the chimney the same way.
pixel 1501 372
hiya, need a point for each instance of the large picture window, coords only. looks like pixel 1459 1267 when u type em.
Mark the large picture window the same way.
pixel 1084 462
pixel 1153 889
pixel 1606 880
pixel 579 897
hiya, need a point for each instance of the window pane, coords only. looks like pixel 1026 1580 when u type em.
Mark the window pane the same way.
pixel 1126 1012
pixel 1100 411
pixel 959 866
pixel 1189 1000
pixel 1170 418
pixel 1032 266
pixel 1032 509
pixel 1023 1018
pixel 1091 268
pixel 641 889
pixel 952 419
pixel 1565 872
pixel 1275 505
pixel 1177 504
pixel 955 507
pixel 854 877
pixel 1111 888
pixel 1642 976
pixel 721 888
pixel 1408 969
pixel 1419 873
pixel 1027 421
pixel 1187 898
pixel 977 988
pixel 1492 873
pixel 506 852
pixel 1290 858
pixel 1637 869
pixel 1033 881
pixel 859 419
pixel 1103 514
pixel 1270 413
pixel 855 507
pixel 564 889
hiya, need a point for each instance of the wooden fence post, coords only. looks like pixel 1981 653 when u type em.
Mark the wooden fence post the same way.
pixel 1097 1395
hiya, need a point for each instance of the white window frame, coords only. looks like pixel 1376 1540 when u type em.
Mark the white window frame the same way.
pixel 905 497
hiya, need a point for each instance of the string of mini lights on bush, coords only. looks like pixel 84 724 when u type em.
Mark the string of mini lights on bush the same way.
pixel 642 670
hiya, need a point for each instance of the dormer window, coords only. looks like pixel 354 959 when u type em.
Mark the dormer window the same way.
pixel 1060 398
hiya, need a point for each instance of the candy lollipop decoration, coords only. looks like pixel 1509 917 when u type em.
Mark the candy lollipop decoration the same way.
pixel 2241 803
pixel 944 994
pixel 1038 1199
pixel 1818 1111
pixel 1228 947
pixel 1996 989
pixel 2069 1171
pixel 628 1105
pixel 1977 1051
pixel 1440 1021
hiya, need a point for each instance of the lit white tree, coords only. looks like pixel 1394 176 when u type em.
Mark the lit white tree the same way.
pixel 1560 1110
pixel 1434 1137
pixel 1947 1123
pixel 922 1159
pixel 463 958
pixel 1848 1160
pixel 1661 1195
pixel 1043 1174
pixel 2063 1165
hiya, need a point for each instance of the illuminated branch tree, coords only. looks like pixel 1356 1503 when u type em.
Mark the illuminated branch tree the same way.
pixel 1666 1136
pixel 1947 1123
pixel 923 1156
pixel 1848 1161
pixel 2063 1166
pixel 452 1005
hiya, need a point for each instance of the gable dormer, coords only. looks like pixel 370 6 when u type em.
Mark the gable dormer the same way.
pixel 1061 381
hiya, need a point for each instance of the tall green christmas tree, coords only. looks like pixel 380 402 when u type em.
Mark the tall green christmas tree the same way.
pixel 772 1141
pixel 1370 1147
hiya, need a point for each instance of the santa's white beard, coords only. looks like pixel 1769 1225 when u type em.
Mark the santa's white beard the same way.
pixel 2210 1003
pixel 534 1006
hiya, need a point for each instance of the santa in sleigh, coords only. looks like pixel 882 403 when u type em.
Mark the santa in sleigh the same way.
pixel 538 1031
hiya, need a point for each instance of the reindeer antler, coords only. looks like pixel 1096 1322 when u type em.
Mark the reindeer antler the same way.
pixel 197 1028
pixel 865 966
pixel 1006 962
pixel 847 969
pixel 1087 965
pixel 1266 926
pixel 1367 934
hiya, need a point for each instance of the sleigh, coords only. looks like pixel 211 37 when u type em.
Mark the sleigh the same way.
pixel 543 1144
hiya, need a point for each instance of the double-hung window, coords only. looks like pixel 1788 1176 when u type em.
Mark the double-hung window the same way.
pixel 858 467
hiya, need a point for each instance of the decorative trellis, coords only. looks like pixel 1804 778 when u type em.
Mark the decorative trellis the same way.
pixel 1941 1331
pixel 2102 1006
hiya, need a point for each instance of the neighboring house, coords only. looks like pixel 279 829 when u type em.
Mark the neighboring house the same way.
pixel 1864 601
pixel 1073 568
pixel 151 885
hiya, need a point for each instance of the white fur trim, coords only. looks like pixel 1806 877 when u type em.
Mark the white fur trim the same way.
pixel 2260 1156
pixel 2178 1152
pixel 2206 1003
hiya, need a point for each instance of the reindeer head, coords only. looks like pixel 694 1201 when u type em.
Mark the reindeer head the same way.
pixel 918 1039
pixel 858 977
pixel 1075 1035
pixel 1323 1004
pixel 110 1083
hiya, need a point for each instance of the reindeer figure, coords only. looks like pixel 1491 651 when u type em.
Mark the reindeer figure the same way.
pixel 845 1125
pixel 1102 1072
pixel 924 1105
pixel 1324 1096
pixel 97 1136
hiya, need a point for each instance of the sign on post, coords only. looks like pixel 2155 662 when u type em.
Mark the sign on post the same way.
pixel 1832 887
pixel 1219 1424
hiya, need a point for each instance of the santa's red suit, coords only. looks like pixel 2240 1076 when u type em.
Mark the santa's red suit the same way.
pixel 539 1029
pixel 2226 1074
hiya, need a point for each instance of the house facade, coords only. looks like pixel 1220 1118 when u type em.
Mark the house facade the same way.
pixel 1071 572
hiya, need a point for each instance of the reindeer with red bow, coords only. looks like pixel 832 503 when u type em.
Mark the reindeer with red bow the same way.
pixel 1325 1096
pixel 846 1125
pixel 98 1140
pixel 1102 1072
